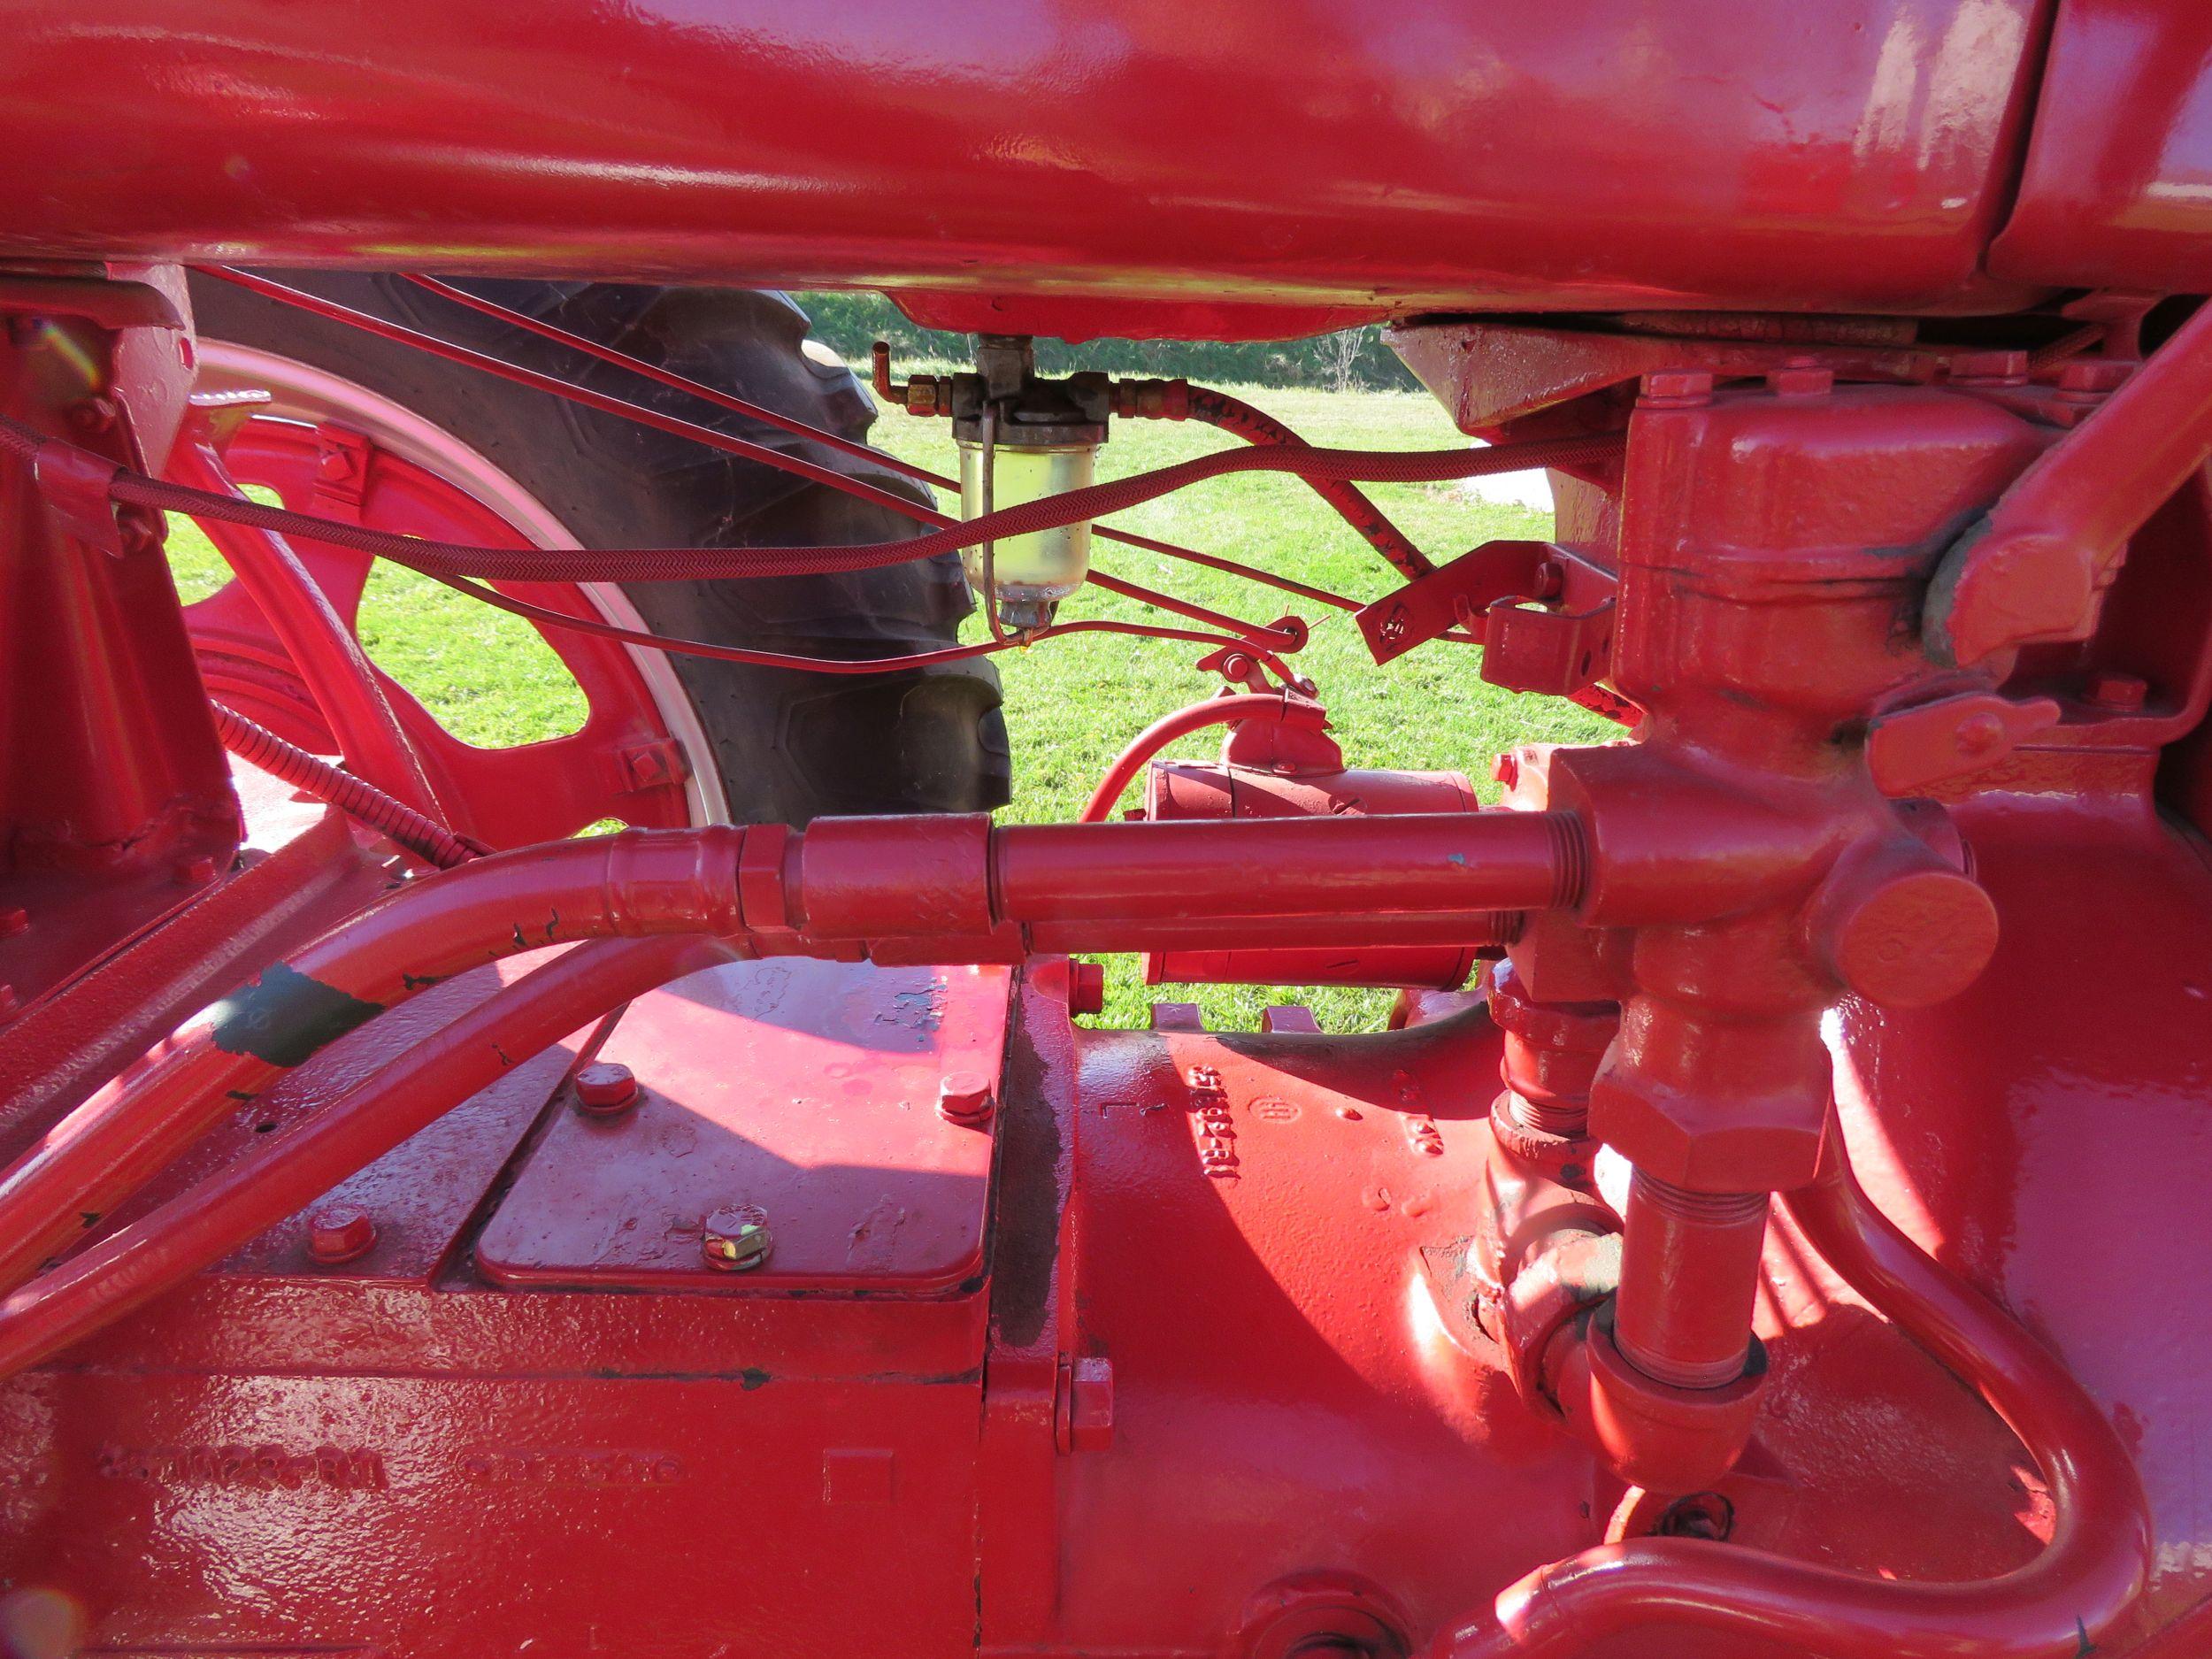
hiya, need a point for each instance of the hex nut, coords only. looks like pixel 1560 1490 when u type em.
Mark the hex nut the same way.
pixel 964 1098
pixel 605 1088
pixel 341 1233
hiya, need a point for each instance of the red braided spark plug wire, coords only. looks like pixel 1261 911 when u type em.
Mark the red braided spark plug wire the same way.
pixel 554 386
pixel 869 665
pixel 646 565
pixel 363 801
pixel 135 489
pixel 799 428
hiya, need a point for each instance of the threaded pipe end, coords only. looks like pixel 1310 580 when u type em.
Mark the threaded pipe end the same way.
pixel 1570 859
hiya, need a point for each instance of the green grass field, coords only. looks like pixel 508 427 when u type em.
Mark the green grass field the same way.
pixel 1072 703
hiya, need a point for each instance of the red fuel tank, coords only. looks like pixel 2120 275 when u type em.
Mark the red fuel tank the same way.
pixel 1116 166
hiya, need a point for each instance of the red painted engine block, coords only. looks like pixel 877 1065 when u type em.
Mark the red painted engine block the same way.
pixel 846 1306
pixel 1173 1354
pixel 716 1240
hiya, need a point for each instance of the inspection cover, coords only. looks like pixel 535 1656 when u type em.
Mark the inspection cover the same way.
pixel 795 1095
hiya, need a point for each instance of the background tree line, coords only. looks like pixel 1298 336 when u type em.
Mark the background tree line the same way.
pixel 1355 358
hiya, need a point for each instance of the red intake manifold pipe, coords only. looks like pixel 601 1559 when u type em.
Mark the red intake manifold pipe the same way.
pixel 199 1227
pixel 634 884
pixel 941 889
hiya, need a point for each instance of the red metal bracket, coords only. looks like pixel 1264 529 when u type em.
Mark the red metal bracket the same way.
pixel 75 483
pixel 341 471
pixel 1914 747
pixel 96 300
pixel 2036 565
pixel 1429 605
pixel 1556 652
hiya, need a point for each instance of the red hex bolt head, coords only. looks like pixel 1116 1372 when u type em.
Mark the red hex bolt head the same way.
pixel 605 1088
pixel 1675 388
pixel 1801 381
pixel 2108 689
pixel 341 1233
pixel 1990 368
pixel 964 1098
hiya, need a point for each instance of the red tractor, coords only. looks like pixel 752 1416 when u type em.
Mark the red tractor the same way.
pixel 427 1231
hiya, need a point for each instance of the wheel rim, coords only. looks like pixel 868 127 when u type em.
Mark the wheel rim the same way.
pixel 328 446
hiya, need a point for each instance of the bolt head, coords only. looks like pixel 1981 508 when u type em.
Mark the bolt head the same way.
pixel 1799 381
pixel 1989 368
pixel 736 1239
pixel 1979 733
pixel 1764 1134
pixel 964 1098
pixel 2093 377
pixel 1675 388
pixel 342 1233
pixel 2108 689
pixel 196 872
pixel 605 1088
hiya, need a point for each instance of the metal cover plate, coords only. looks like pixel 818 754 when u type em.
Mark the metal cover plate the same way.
pixel 806 1090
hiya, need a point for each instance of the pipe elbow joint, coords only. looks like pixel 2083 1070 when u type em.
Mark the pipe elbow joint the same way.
pixel 1652 1434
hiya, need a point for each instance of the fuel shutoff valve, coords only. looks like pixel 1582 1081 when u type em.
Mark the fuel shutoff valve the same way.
pixel 1022 438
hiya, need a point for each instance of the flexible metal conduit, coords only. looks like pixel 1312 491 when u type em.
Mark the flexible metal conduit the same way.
pixel 358 799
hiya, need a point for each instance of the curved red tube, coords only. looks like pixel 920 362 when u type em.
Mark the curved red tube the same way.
pixel 329 658
pixel 1239 419
pixel 948 884
pixel 632 885
pixel 202 1225
pixel 358 799
pixel 2054 1608
pixel 1165 730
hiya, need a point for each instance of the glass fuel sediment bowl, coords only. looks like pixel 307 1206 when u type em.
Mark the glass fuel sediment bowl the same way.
pixel 1032 574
